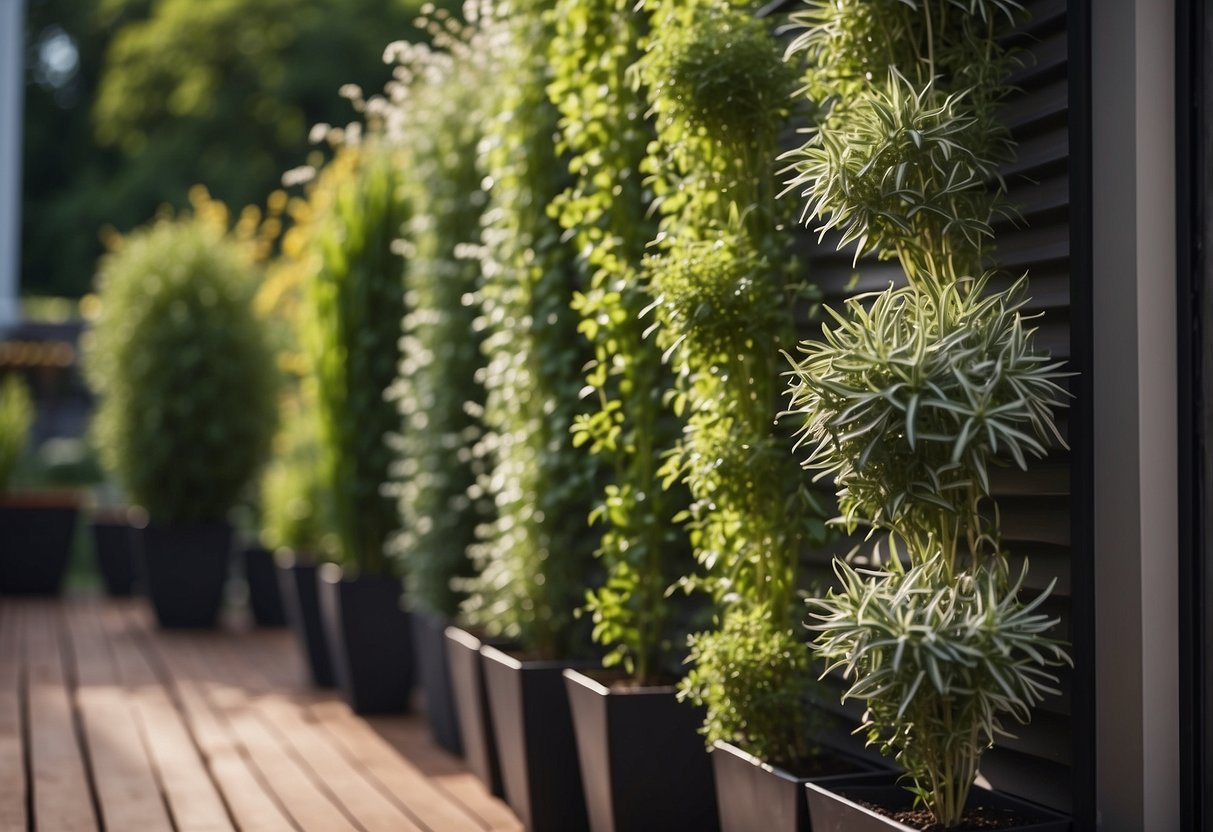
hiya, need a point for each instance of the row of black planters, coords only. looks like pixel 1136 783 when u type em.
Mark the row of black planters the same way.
pixel 569 749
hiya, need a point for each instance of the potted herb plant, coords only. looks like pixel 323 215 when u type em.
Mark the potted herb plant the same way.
pixel 911 396
pixel 355 299
pixel 36 526
pixel 621 712
pixel 721 305
pixel 186 383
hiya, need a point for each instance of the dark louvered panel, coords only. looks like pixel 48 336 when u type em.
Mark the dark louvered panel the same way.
pixel 1034 504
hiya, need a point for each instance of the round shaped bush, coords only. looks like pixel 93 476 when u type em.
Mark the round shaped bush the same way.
pixel 184 373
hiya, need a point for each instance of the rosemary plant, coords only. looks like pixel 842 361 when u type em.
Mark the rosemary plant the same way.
pixel 915 392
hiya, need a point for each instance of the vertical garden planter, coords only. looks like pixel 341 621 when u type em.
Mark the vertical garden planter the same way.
pixel 643 764
pixel 300 601
pixel 756 797
pixel 36 534
pixel 114 542
pixel 839 808
pixel 472 707
pixel 534 734
pixel 264 594
pixel 186 569
pixel 368 637
pixel 430 659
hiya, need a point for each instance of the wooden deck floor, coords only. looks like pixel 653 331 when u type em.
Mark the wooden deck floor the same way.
pixel 108 723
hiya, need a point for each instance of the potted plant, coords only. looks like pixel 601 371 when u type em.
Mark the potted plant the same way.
pixel 533 559
pixel 625 709
pixel 719 91
pixel 355 295
pixel 912 395
pixel 114 543
pixel 36 526
pixel 437 393
pixel 186 383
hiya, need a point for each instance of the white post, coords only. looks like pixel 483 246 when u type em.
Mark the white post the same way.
pixel 1135 372
pixel 12 99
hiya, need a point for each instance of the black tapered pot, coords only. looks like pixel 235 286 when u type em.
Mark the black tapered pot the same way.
pixel 264 594
pixel 472 707
pixel 185 570
pixel 753 796
pixel 114 544
pixel 301 603
pixel 836 808
pixel 534 733
pixel 36 534
pixel 643 764
pixel 368 636
pixel 433 670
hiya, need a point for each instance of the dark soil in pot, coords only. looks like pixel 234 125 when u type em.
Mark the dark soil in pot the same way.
pixel 368 636
pixel 301 603
pixel 889 808
pixel 429 653
pixel 643 763
pixel 186 570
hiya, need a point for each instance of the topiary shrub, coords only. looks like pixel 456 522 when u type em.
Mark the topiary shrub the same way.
pixel 183 370
pixel 16 418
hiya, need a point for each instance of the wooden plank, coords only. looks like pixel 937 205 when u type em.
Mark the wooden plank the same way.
pixel 13 776
pixel 432 806
pixel 193 798
pixel 128 794
pixel 251 801
pixel 61 790
pixel 410 741
pixel 308 800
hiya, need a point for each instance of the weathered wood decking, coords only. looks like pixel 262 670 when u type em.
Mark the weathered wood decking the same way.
pixel 108 723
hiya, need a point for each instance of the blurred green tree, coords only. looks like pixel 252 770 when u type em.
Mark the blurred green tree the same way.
pixel 130 102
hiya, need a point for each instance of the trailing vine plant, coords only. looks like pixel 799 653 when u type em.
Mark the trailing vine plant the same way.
pixel 535 555
pixel 605 134
pixel 719 92
pixel 915 392
pixel 432 111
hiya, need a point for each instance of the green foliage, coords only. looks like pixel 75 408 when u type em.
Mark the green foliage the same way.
pixel 912 396
pixel 16 419
pixel 605 133
pixel 183 370
pixel 719 95
pixel 939 660
pixel 167 93
pixel 534 557
pixel 437 392
pixel 295 502
pixel 753 675
pixel 356 295
pixel 915 392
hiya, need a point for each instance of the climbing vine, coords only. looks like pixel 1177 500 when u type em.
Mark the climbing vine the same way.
pixel 534 556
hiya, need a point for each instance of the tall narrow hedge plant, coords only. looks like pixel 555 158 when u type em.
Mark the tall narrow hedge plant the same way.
pixel 719 92
pixel 356 300
pixel 534 557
